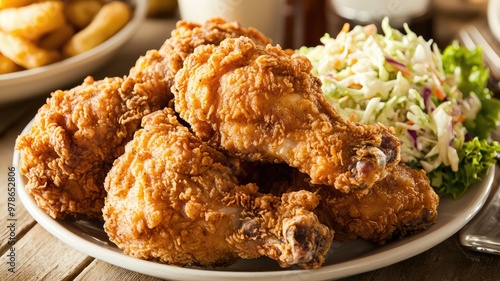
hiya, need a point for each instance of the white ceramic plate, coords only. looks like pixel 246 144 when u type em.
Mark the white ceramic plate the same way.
pixel 345 259
pixel 494 18
pixel 43 80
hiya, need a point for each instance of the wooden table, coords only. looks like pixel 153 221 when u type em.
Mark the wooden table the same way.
pixel 41 256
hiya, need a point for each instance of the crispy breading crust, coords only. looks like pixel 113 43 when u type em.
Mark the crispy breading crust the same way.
pixel 261 104
pixel 79 132
pixel 74 139
pixel 172 198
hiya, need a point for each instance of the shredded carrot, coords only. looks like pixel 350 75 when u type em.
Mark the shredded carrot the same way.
pixel 409 122
pixel 461 118
pixel 438 89
pixel 403 69
pixel 345 28
pixel 355 86
pixel 352 117
pixel 337 64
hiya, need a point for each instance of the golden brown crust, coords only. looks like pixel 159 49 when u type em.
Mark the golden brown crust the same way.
pixel 74 139
pixel 79 132
pixel 172 198
pixel 161 65
pixel 399 205
pixel 261 104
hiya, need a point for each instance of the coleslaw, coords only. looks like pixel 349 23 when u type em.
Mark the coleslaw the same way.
pixel 437 102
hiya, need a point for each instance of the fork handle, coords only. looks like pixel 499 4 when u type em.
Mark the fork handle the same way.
pixel 482 233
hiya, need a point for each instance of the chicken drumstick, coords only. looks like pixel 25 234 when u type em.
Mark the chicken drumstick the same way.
pixel 262 104
pixel 172 198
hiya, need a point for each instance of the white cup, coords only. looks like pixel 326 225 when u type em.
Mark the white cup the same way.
pixel 264 15
pixel 399 11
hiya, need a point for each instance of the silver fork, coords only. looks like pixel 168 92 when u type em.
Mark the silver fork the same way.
pixel 482 233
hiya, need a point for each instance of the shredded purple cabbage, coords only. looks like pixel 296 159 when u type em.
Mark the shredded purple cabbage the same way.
pixel 429 105
pixel 414 135
pixel 393 61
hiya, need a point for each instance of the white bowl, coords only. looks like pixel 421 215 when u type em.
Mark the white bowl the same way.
pixel 43 80
pixel 494 18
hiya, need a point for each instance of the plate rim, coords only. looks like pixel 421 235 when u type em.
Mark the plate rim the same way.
pixel 344 269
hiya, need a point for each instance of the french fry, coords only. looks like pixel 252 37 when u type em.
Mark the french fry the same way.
pixel 34 33
pixel 32 21
pixel 14 3
pixel 7 65
pixel 81 13
pixel 109 20
pixel 25 53
pixel 57 38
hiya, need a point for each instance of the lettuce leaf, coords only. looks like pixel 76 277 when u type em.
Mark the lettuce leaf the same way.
pixel 476 157
pixel 473 76
pixel 478 154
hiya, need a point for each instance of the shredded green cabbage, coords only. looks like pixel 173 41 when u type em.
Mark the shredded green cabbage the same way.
pixel 437 103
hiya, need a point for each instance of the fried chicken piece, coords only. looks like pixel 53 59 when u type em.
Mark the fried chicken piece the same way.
pixel 261 104
pixel 401 204
pixel 173 199
pixel 78 133
pixel 162 65
pixel 76 136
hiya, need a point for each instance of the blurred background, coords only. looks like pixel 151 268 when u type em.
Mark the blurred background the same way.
pixel 305 21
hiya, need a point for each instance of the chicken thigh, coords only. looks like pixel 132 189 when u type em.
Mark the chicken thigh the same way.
pixel 401 204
